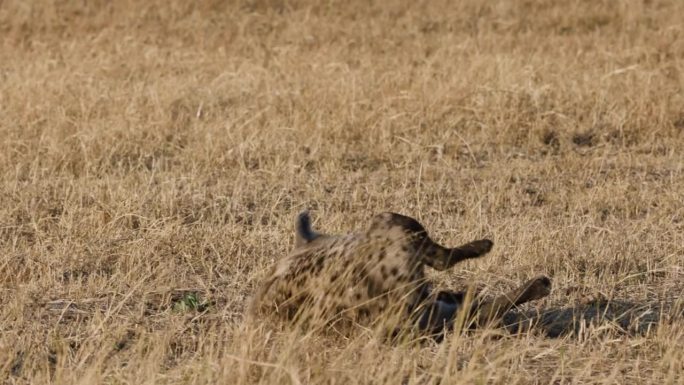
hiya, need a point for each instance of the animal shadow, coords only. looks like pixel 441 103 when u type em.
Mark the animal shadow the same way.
pixel 621 316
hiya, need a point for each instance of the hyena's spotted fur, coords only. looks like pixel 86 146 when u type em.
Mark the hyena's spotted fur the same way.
pixel 377 276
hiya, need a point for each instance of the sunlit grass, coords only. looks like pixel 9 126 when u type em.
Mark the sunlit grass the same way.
pixel 155 154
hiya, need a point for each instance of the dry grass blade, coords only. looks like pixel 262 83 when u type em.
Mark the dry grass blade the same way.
pixel 153 154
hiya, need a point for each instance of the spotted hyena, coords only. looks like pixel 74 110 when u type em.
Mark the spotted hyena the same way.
pixel 376 277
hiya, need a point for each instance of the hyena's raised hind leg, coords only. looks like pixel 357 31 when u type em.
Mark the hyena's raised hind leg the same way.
pixel 488 311
pixel 442 258
pixel 433 254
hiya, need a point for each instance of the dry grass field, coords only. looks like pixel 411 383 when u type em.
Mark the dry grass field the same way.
pixel 154 154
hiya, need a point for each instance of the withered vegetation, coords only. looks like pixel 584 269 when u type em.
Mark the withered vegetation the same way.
pixel 153 155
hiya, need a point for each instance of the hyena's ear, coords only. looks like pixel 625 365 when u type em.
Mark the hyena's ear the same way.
pixel 303 231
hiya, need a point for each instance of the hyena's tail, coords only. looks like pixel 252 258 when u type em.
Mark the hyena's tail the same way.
pixel 304 232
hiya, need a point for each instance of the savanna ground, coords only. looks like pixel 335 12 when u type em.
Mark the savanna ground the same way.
pixel 154 154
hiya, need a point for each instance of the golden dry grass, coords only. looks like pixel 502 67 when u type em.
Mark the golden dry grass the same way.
pixel 157 150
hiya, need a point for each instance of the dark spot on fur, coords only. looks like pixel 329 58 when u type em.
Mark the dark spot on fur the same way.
pixel 373 287
pixel 319 264
pixel 363 312
pixel 584 139
pixel 394 271
pixel 359 271
pixel 383 271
